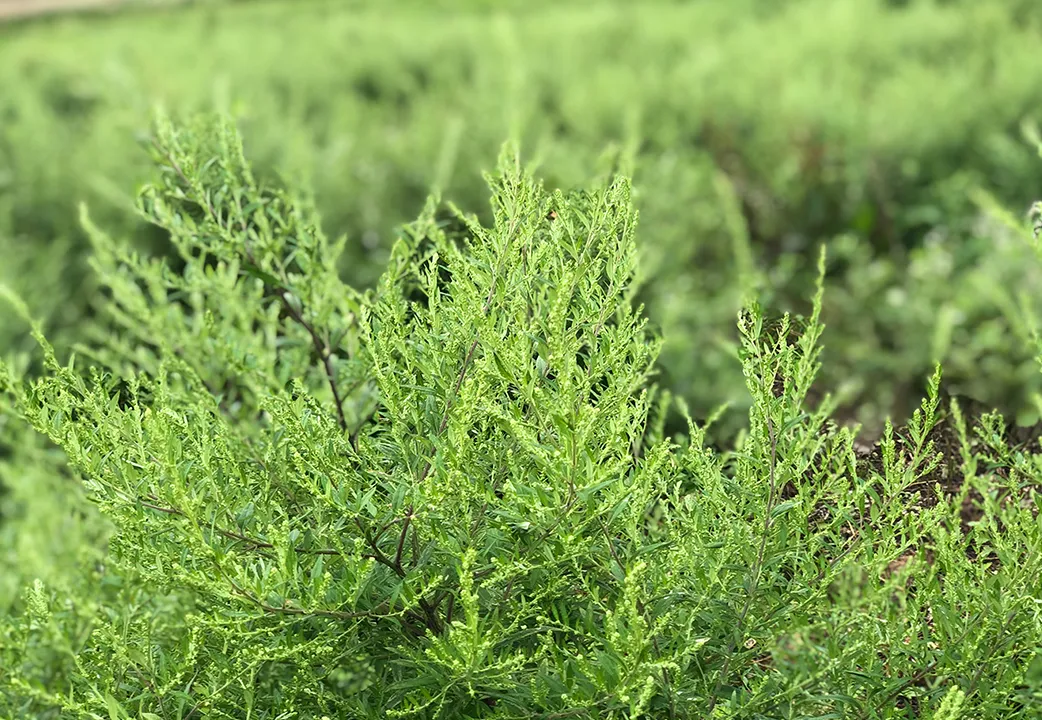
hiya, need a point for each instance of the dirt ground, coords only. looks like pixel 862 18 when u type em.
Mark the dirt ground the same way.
pixel 13 9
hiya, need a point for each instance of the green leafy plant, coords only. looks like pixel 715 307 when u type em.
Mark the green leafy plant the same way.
pixel 452 495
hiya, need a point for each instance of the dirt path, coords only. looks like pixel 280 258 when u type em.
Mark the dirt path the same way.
pixel 12 9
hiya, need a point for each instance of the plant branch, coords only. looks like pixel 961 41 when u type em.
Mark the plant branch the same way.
pixel 286 610
pixel 757 565
pixel 253 543
pixel 321 346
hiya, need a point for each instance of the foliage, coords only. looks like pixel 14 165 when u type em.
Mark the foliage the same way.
pixel 452 496
pixel 754 131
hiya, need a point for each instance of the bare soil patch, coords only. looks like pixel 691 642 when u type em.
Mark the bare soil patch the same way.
pixel 16 9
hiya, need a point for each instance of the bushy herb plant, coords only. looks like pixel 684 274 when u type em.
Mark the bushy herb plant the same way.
pixel 451 496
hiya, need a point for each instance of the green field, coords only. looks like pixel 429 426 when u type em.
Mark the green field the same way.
pixel 772 126
pixel 902 138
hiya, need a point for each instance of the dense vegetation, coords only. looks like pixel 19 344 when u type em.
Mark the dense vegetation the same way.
pixel 754 130
pixel 516 458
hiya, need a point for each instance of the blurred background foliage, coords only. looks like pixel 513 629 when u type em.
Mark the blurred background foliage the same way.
pixel 755 130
